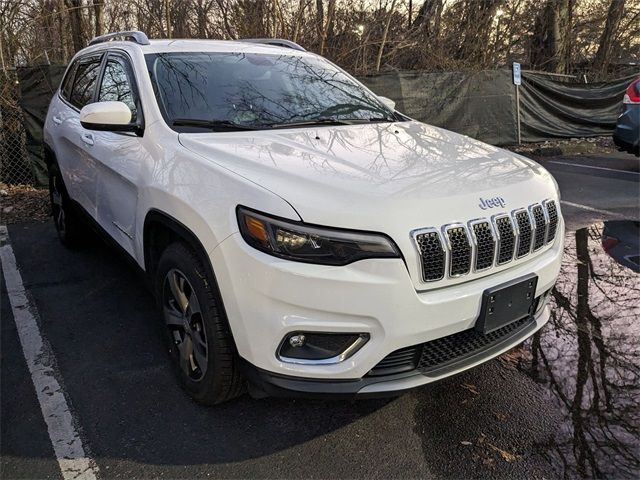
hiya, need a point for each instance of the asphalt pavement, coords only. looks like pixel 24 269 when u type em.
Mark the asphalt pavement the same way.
pixel 565 404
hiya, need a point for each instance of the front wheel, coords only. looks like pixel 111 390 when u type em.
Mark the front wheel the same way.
pixel 65 216
pixel 200 342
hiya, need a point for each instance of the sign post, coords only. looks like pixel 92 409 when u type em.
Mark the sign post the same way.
pixel 517 81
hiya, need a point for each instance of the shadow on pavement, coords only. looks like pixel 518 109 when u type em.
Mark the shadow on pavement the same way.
pixel 564 405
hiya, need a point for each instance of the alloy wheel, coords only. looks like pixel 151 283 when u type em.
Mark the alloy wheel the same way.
pixel 183 318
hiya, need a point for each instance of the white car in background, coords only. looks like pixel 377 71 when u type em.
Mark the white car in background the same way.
pixel 302 237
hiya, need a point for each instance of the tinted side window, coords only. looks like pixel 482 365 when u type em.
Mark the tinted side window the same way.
pixel 68 81
pixel 85 83
pixel 117 86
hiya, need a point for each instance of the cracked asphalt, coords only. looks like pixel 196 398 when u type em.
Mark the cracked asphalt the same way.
pixel 565 404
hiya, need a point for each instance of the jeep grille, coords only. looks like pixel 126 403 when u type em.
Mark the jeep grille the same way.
pixel 459 249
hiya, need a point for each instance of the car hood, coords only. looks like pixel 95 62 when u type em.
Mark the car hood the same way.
pixel 377 176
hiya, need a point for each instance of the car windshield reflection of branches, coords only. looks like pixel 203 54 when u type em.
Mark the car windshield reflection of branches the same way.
pixel 258 90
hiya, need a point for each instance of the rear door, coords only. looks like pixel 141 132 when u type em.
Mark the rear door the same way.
pixel 120 156
pixel 72 143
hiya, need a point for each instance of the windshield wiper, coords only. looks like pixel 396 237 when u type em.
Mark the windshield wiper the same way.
pixel 332 121
pixel 215 125
pixel 314 121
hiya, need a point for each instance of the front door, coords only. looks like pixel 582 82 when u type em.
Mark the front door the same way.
pixel 120 156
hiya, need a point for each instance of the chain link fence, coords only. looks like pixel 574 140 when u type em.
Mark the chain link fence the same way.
pixel 15 167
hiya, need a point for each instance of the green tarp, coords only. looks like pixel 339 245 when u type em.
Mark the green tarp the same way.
pixel 37 86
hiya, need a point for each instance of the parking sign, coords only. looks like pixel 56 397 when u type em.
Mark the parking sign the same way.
pixel 517 76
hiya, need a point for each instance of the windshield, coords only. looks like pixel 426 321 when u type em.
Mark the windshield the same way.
pixel 199 91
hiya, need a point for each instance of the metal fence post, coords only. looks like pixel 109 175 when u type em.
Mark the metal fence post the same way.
pixel 518 113
pixel 517 81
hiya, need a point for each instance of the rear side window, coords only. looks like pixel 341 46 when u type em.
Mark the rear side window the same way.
pixel 67 83
pixel 117 86
pixel 85 81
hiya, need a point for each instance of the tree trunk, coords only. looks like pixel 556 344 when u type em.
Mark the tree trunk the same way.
pixel 384 35
pixel 476 30
pixel 167 16
pixel 75 19
pixel 551 42
pixel 605 48
pixel 224 10
pixel 331 8
pixel 298 19
pixel 97 10
pixel 319 20
pixel 428 17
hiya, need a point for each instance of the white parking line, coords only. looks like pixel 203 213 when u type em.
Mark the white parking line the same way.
pixel 591 209
pixel 66 442
pixel 593 167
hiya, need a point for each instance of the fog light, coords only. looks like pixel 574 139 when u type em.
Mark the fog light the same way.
pixel 320 348
pixel 297 340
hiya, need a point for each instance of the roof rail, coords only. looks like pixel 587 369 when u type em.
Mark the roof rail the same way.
pixel 279 42
pixel 132 36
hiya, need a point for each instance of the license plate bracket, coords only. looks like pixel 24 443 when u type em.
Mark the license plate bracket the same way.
pixel 506 303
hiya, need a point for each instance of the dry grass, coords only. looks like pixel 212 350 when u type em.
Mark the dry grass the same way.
pixel 23 203
pixel 567 146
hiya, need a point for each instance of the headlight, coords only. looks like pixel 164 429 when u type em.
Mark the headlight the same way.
pixel 309 243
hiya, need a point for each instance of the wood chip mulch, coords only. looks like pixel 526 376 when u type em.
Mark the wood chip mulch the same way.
pixel 23 203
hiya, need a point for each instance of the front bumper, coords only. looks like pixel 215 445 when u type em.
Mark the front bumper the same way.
pixel 264 383
pixel 266 298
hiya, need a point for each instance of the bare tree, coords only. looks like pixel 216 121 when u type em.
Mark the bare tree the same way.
pixel 361 35
pixel 552 37
pixel 97 11
pixel 384 35
pixel 614 16
pixel 74 8
pixel 476 28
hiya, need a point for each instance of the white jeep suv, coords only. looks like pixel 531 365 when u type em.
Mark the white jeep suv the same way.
pixel 301 236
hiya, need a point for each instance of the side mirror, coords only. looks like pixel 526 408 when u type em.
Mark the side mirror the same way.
pixel 107 116
pixel 387 102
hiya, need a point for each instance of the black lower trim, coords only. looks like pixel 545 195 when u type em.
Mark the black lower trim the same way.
pixel 263 383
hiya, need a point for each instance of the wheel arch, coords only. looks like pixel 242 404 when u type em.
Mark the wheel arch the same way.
pixel 161 226
pixel 159 231
pixel 49 156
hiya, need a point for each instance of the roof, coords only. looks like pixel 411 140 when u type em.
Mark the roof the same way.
pixel 188 45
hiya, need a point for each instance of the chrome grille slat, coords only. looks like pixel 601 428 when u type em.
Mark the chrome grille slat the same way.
pixel 432 254
pixel 552 214
pixel 459 249
pixel 524 232
pixel 506 238
pixel 484 244
pixel 540 226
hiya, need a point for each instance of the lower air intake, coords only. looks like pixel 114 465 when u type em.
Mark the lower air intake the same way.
pixel 450 351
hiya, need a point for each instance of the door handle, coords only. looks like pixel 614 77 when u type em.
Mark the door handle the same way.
pixel 87 138
pixel 57 119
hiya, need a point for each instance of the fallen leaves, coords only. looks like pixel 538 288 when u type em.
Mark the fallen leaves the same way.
pixel 513 357
pixel 23 203
pixel 484 452
pixel 471 388
pixel 506 456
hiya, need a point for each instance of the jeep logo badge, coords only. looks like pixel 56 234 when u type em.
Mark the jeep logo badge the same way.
pixel 491 202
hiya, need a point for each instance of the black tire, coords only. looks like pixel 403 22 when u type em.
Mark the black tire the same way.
pixel 66 217
pixel 180 275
